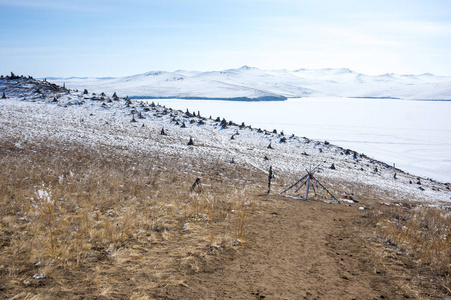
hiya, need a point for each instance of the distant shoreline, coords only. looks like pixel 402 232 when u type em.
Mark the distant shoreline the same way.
pixel 244 99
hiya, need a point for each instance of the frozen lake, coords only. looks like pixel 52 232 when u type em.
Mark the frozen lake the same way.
pixel 413 135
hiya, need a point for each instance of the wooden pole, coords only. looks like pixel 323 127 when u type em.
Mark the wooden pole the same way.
pixel 293 184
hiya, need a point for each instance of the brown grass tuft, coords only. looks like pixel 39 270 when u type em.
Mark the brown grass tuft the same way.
pixel 422 232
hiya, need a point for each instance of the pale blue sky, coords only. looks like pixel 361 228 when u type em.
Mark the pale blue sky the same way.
pixel 118 38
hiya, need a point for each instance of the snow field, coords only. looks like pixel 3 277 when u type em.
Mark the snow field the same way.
pixel 109 125
pixel 413 135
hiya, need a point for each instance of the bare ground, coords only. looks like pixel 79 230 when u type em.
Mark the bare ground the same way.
pixel 308 250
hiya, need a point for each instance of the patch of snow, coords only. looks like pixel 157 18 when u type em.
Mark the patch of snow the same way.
pixel 39 276
pixel 347 200
pixel 44 195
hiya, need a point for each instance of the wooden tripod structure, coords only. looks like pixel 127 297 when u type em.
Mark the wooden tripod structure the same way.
pixel 309 181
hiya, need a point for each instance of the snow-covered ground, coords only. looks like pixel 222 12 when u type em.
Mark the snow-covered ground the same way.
pixel 413 135
pixel 41 114
pixel 257 84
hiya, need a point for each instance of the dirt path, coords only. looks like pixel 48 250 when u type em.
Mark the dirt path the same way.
pixel 296 250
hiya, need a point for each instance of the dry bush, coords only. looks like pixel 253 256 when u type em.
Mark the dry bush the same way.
pixel 424 232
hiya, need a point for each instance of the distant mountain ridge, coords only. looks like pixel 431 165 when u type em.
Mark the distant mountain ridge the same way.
pixel 253 84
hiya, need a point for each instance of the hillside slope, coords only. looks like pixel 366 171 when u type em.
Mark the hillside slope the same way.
pixel 248 147
pixel 96 202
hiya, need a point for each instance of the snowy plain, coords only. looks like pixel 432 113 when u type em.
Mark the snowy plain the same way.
pixel 413 135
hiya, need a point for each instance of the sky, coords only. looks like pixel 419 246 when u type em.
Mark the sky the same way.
pixel 101 38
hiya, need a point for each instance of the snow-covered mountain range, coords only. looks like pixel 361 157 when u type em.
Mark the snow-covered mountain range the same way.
pixel 247 83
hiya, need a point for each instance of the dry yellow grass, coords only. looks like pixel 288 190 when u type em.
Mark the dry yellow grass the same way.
pixel 77 224
pixel 422 232
pixel 73 220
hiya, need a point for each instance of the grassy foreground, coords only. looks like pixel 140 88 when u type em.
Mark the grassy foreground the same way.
pixel 423 233
pixel 76 224
pixel 73 221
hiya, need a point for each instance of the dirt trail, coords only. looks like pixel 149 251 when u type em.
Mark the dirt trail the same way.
pixel 296 250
